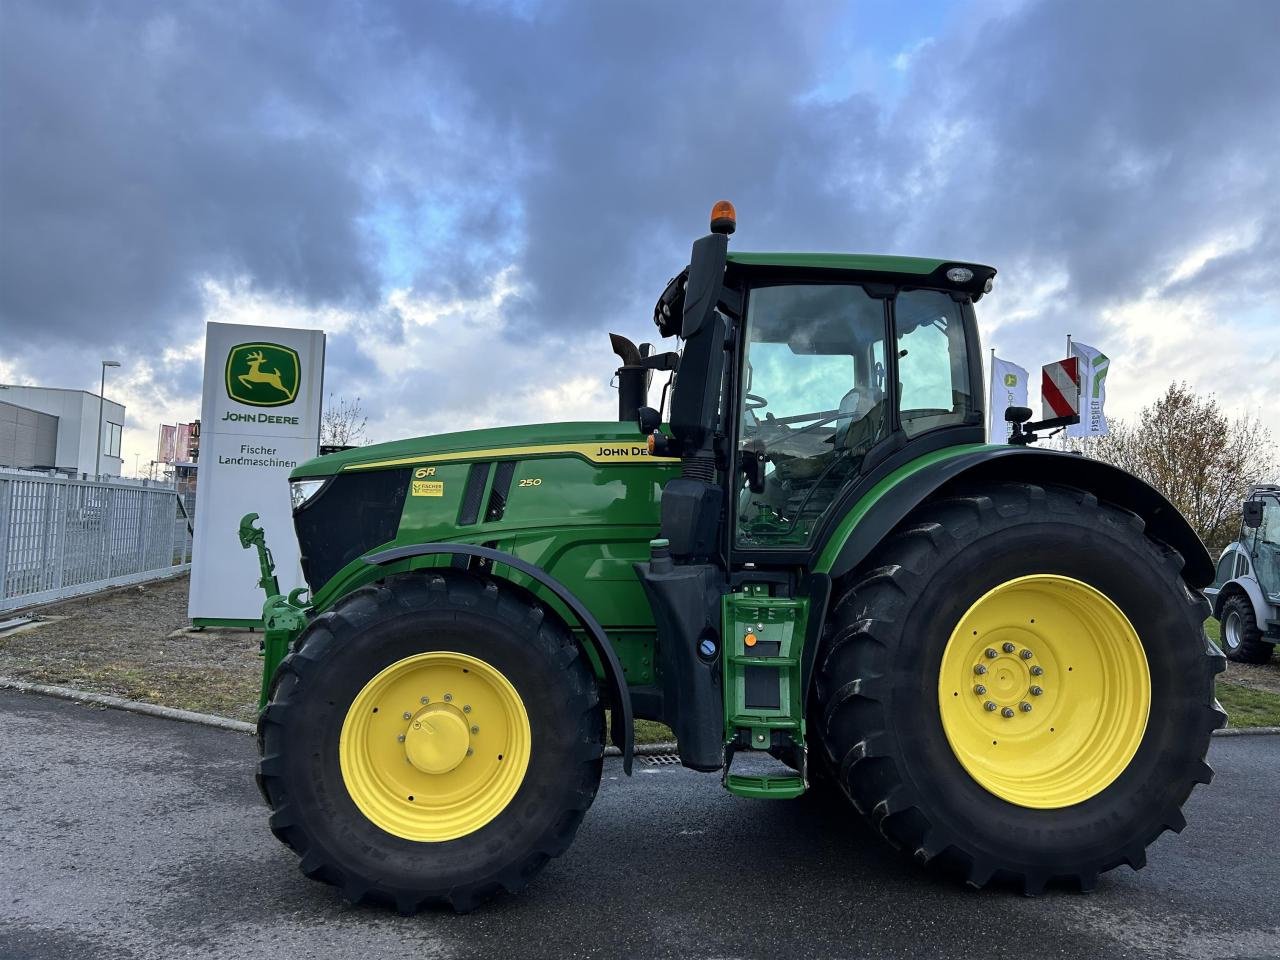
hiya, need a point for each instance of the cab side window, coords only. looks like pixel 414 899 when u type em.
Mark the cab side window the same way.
pixel 933 362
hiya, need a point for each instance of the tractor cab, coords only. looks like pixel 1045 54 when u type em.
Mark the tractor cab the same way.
pixel 804 398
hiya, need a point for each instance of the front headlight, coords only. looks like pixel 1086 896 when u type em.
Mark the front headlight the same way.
pixel 302 492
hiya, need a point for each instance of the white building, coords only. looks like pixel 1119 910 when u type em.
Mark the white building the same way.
pixel 24 436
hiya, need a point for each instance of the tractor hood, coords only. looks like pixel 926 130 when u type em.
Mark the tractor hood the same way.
pixel 597 441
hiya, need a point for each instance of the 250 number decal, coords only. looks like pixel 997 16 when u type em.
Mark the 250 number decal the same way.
pixel 531 482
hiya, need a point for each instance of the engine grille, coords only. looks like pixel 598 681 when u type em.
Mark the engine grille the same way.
pixel 353 514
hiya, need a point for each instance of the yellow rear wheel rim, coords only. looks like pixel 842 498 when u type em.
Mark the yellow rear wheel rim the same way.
pixel 435 746
pixel 1044 691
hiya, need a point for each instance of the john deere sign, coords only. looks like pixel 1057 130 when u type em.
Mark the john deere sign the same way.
pixel 263 374
pixel 260 419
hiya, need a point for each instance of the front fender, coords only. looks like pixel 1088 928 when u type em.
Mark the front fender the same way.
pixel 623 727
pixel 887 504
pixel 1249 587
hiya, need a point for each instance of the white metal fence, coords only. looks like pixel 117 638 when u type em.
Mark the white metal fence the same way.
pixel 60 538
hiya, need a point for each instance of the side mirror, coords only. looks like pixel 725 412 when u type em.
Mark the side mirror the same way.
pixel 753 465
pixel 706 276
pixel 1252 511
pixel 1017 414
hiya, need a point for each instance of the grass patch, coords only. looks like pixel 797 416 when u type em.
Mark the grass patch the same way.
pixel 1248 706
pixel 1214 629
pixel 650 731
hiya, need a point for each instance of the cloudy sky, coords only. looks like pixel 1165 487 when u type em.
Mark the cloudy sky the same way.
pixel 467 196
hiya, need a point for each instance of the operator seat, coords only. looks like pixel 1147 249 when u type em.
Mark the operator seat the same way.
pixel 860 421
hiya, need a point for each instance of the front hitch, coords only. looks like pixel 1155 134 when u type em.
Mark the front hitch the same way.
pixel 283 618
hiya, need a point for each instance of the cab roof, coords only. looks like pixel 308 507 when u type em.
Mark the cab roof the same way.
pixel 925 271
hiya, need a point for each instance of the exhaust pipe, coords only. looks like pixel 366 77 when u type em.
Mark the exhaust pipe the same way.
pixel 633 376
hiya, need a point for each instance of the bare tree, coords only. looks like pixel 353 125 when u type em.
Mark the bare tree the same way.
pixel 343 423
pixel 1189 450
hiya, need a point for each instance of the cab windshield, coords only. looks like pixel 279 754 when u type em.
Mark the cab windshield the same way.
pixel 816 396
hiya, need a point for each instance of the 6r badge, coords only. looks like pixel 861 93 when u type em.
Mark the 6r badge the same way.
pixel 263 374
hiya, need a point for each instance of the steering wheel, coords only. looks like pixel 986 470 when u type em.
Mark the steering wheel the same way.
pixel 754 402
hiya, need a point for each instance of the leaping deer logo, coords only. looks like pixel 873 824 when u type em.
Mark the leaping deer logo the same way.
pixel 263 374
pixel 257 375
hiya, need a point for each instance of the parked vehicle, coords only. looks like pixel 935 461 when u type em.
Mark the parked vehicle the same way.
pixel 1246 589
pixel 816 567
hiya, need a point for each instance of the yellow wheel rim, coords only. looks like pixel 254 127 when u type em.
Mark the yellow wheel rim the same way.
pixel 1044 691
pixel 435 746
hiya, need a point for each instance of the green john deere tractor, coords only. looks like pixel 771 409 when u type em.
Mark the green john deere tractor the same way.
pixel 815 571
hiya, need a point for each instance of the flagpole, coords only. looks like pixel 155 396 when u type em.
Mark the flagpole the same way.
pixel 991 393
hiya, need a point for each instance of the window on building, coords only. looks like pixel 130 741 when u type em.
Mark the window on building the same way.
pixel 111 440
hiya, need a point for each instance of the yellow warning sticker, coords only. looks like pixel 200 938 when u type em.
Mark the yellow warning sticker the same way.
pixel 427 488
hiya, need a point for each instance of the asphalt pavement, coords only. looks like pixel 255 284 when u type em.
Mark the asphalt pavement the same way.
pixel 134 837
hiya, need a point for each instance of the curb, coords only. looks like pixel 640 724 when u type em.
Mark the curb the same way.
pixel 645 749
pixel 1245 731
pixel 130 706
pixel 240 726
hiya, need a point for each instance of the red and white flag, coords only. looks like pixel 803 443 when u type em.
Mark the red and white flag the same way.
pixel 1060 388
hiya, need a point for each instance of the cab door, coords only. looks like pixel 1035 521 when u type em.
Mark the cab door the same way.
pixel 822 404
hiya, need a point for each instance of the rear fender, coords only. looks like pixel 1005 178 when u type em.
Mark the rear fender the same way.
pixel 873 517
pixel 623 726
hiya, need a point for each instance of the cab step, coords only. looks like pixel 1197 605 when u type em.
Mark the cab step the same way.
pixel 759 776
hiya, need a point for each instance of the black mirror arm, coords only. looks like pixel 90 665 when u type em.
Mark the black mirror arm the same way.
pixel 753 461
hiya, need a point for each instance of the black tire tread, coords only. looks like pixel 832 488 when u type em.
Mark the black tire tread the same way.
pixel 850 682
pixel 412 593
pixel 1252 649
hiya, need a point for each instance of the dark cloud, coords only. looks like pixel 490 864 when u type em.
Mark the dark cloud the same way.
pixel 328 152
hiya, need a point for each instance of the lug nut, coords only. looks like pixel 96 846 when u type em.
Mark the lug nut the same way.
pixel 426 700
pixel 980 669
pixel 470 751
pixel 475 729
pixel 991 653
pixel 1024 707
pixel 979 689
pixel 1007 712
pixel 989 706
pixel 400 738
pixel 1025 654
pixel 1008 647
pixel 448 698
pixel 408 715
pixel 1037 670
pixel 466 708
pixel 1036 691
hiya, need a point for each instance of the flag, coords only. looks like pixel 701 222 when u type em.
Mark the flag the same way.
pixel 167 442
pixel 1008 389
pixel 1060 388
pixel 1093 391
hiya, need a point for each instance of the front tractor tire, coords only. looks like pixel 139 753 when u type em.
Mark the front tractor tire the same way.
pixel 1241 636
pixel 432 740
pixel 1017 687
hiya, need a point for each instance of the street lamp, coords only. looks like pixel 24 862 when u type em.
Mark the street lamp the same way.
pixel 101 391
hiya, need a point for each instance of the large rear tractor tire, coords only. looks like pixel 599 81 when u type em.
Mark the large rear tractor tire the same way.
pixel 433 739
pixel 1017 686
pixel 1241 637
